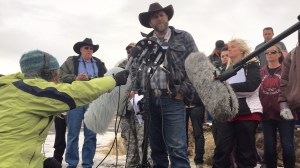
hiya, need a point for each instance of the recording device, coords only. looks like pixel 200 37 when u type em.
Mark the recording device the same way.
pixel 152 55
pixel 134 52
pixel 45 73
pixel 218 97
pixel 102 110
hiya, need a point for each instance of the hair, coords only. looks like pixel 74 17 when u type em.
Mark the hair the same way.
pixel 225 48
pixel 268 28
pixel 280 59
pixel 243 46
pixel 53 77
pixel 216 52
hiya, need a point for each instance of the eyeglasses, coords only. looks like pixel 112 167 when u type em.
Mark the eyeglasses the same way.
pixel 88 47
pixel 271 52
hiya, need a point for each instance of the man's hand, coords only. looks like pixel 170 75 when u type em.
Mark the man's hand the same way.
pixel 82 77
pixel 131 94
pixel 179 96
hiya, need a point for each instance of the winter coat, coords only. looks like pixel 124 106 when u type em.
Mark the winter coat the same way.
pixel 69 69
pixel 247 91
pixel 290 80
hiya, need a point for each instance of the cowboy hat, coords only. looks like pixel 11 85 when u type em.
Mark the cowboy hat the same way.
pixel 85 42
pixel 155 7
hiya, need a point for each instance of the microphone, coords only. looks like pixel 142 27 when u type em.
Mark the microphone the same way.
pixel 165 69
pixel 152 39
pixel 219 98
pixel 134 52
pixel 164 46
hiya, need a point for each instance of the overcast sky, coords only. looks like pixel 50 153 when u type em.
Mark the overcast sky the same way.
pixel 55 26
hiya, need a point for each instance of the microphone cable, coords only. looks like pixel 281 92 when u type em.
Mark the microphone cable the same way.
pixel 116 129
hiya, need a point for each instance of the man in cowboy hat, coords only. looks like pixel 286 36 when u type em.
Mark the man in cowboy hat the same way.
pixel 82 67
pixel 168 91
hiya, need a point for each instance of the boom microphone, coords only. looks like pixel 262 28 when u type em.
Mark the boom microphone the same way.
pixel 102 110
pixel 218 98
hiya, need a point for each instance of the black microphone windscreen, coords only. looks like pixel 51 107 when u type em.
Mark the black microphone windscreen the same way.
pixel 134 52
pixel 153 39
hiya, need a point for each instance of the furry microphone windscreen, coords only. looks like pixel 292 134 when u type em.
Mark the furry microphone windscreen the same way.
pixel 218 97
pixel 102 110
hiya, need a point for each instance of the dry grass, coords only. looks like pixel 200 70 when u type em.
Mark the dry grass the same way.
pixel 121 147
pixel 210 146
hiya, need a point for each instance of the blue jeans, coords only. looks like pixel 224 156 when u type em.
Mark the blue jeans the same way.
pixel 74 120
pixel 168 133
pixel 286 132
pixel 196 115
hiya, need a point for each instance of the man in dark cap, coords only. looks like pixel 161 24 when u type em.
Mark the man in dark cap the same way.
pixel 215 57
pixel 168 90
pixel 82 67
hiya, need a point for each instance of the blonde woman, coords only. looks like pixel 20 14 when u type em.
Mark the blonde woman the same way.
pixel 240 131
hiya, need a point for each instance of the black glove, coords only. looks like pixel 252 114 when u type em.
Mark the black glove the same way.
pixel 121 77
pixel 51 163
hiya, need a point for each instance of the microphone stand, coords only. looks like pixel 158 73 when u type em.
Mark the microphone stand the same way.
pixel 237 66
pixel 149 63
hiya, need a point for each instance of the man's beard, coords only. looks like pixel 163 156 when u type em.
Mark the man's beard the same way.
pixel 162 27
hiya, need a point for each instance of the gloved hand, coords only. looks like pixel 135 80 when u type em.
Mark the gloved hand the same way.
pixel 285 111
pixel 121 77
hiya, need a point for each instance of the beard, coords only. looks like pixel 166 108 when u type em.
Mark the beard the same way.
pixel 161 27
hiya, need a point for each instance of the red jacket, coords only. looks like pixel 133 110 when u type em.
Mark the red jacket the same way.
pixel 268 93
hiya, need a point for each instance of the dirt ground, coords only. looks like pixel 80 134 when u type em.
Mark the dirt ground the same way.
pixel 104 143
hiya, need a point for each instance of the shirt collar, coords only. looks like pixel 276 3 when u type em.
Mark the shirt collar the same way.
pixel 166 37
pixel 81 59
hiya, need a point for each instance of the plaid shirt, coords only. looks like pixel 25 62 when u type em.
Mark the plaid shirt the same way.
pixel 181 44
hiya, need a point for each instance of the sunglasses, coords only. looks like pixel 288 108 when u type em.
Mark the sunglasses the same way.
pixel 88 47
pixel 271 52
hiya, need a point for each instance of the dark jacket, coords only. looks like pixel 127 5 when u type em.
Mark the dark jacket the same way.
pixel 69 69
pixel 249 101
pixel 181 44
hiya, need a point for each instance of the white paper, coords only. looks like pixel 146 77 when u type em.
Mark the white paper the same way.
pixel 238 78
pixel 134 101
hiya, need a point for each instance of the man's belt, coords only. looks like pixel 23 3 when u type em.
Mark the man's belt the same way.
pixel 159 92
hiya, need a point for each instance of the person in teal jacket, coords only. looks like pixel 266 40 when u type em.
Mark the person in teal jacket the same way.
pixel 30 99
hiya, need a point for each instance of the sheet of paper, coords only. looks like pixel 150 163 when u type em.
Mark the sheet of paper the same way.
pixel 238 78
pixel 134 101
